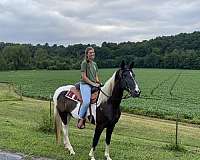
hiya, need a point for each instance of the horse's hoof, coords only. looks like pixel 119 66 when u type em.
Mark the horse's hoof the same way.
pixel 70 149
pixel 91 154
pixel 108 158
pixel 72 153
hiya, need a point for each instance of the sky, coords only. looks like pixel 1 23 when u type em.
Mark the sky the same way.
pixel 67 22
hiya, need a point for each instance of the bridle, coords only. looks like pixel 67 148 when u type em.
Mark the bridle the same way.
pixel 128 95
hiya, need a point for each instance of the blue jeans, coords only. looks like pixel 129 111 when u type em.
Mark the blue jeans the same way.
pixel 86 95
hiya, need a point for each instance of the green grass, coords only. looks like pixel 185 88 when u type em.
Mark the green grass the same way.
pixel 155 84
pixel 134 137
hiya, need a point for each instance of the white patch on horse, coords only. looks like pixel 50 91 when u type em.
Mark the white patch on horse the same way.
pixel 131 74
pixel 91 154
pixel 76 110
pixel 107 89
pixel 67 143
pixel 136 85
pixel 107 153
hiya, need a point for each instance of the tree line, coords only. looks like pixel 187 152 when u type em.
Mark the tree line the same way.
pixel 179 51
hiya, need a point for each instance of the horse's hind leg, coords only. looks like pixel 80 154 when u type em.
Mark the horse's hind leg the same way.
pixel 67 144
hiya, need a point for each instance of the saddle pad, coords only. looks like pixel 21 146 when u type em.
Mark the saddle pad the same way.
pixel 72 96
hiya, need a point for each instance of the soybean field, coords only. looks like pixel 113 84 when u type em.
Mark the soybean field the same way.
pixel 166 93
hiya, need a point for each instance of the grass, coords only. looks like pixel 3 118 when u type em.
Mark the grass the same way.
pixel 165 92
pixel 135 137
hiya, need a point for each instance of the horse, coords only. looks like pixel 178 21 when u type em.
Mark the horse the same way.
pixel 108 109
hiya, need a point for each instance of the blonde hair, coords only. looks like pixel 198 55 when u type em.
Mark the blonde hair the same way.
pixel 86 52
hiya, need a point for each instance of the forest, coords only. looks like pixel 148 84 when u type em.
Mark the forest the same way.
pixel 178 51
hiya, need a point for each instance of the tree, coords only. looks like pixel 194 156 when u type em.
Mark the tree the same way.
pixel 171 60
pixel 3 64
pixel 17 57
pixel 152 60
pixel 41 58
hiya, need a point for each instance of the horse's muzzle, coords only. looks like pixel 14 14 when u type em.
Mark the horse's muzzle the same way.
pixel 135 93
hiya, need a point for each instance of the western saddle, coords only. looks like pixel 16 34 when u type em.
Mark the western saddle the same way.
pixel 76 90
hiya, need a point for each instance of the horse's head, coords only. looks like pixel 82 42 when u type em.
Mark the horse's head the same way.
pixel 127 80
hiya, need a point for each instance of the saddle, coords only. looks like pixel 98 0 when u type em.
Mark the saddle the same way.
pixel 75 94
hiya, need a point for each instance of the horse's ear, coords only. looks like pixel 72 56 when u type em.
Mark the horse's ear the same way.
pixel 131 65
pixel 122 65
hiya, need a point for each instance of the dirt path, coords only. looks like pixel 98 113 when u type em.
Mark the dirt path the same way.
pixel 17 156
pixel 10 156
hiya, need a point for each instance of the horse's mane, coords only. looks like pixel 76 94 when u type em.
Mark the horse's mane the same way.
pixel 107 89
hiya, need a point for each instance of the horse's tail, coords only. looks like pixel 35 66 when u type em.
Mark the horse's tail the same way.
pixel 57 122
pixel 57 119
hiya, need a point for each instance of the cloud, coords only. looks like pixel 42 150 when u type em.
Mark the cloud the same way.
pixel 94 21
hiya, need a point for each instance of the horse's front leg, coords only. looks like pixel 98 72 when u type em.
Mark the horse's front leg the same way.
pixel 109 131
pixel 97 134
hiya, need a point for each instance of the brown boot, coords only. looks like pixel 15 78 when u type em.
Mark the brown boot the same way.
pixel 81 124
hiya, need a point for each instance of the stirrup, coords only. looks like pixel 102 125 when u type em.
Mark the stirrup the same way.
pixel 82 125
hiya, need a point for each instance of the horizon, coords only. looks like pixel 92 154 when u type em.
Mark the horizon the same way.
pixel 94 21
pixel 101 42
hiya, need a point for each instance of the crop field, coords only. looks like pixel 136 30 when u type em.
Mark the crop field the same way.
pixel 165 92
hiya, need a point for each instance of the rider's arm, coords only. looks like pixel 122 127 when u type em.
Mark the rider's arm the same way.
pixel 97 78
pixel 86 79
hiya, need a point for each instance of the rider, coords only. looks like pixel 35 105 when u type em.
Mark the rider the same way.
pixel 89 78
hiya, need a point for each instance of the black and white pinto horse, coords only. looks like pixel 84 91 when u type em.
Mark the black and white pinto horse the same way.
pixel 107 112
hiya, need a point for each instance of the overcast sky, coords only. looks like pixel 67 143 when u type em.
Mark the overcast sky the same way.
pixel 94 21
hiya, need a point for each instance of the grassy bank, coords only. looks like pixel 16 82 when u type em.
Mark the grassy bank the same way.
pixel 134 137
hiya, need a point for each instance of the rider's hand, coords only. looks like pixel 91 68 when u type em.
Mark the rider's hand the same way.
pixel 100 84
pixel 97 85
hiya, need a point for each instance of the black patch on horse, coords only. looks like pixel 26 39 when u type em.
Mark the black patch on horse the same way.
pixel 64 104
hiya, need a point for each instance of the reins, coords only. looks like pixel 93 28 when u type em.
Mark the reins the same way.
pixel 128 95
